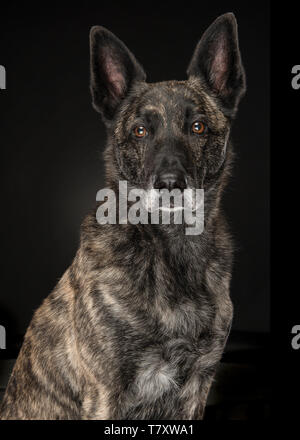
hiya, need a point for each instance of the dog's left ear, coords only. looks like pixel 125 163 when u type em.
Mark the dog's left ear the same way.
pixel 217 61
pixel 114 70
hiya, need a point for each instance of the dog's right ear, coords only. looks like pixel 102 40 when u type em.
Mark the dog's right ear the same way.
pixel 114 70
pixel 217 61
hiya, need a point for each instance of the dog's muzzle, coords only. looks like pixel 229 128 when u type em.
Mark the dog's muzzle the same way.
pixel 170 180
pixel 169 172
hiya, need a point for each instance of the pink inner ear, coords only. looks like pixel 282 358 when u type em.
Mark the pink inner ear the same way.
pixel 114 75
pixel 219 67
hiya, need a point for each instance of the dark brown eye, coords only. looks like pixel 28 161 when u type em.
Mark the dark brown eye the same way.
pixel 198 127
pixel 140 131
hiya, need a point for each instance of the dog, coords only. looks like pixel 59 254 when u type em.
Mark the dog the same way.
pixel 137 325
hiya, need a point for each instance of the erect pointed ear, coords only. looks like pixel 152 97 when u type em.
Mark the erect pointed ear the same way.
pixel 114 69
pixel 217 61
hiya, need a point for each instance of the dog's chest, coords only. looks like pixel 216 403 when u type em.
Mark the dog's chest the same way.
pixel 181 308
pixel 161 377
pixel 156 374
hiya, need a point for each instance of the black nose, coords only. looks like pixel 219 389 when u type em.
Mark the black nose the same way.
pixel 170 181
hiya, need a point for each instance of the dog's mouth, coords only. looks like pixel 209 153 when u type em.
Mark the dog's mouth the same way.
pixel 171 201
pixel 171 208
pixel 168 202
pixel 170 192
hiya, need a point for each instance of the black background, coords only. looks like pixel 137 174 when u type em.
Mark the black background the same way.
pixel 51 139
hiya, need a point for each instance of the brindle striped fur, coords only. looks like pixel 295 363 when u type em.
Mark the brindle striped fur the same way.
pixel 137 324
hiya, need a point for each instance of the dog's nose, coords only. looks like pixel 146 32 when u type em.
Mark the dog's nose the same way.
pixel 170 181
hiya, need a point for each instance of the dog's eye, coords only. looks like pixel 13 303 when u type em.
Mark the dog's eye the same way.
pixel 198 127
pixel 140 131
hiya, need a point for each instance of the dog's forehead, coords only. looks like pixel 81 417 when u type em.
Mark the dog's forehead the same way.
pixel 167 96
pixel 173 98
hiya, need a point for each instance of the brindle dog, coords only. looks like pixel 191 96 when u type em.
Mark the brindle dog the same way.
pixel 136 326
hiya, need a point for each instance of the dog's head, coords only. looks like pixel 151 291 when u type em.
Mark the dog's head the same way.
pixel 171 134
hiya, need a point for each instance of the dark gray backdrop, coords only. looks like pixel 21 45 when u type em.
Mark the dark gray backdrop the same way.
pixel 51 139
